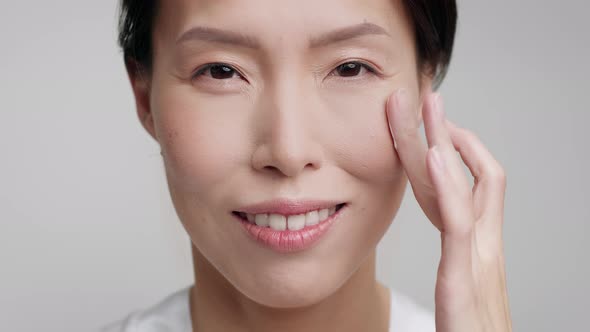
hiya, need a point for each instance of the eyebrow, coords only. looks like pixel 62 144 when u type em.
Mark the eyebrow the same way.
pixel 217 35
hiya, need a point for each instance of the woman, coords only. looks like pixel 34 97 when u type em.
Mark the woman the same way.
pixel 289 131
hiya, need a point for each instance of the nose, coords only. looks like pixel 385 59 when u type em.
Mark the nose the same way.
pixel 287 133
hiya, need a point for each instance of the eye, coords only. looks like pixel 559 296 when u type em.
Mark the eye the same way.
pixel 217 71
pixel 222 71
pixel 353 68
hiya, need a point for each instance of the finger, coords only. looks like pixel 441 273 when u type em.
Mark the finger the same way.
pixel 434 125
pixel 489 175
pixel 455 205
pixel 438 134
pixel 453 190
pixel 453 195
pixel 404 124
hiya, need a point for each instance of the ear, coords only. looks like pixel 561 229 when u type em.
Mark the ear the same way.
pixel 141 85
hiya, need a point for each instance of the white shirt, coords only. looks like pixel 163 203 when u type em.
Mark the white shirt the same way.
pixel 172 314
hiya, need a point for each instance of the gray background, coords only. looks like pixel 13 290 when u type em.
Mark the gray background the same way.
pixel 87 229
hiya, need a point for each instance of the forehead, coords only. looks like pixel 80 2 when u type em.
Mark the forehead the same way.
pixel 271 21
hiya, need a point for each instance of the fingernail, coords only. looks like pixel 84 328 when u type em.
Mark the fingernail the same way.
pixel 401 101
pixel 387 112
pixel 392 137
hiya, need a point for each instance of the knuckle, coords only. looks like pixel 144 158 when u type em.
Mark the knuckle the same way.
pixel 463 229
pixel 470 135
pixel 465 194
pixel 498 175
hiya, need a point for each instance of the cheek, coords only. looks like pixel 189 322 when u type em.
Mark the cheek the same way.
pixel 201 142
pixel 365 148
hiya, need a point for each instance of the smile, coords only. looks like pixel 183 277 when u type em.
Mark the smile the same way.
pixel 289 233
pixel 295 222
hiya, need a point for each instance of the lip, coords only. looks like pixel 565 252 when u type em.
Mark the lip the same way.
pixel 288 207
pixel 289 241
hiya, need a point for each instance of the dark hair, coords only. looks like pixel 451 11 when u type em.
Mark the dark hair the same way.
pixel 434 26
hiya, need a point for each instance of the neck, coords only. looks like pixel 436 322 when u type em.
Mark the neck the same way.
pixel 360 304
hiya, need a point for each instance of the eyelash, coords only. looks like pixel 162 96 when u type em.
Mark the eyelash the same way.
pixel 204 68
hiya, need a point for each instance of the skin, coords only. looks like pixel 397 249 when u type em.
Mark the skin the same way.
pixel 289 124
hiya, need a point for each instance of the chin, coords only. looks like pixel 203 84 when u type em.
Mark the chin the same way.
pixel 286 295
pixel 290 287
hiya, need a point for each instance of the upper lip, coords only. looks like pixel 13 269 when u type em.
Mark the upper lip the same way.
pixel 288 206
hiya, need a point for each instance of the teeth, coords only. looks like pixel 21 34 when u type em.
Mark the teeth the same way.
pixel 312 218
pixel 277 222
pixel 332 210
pixel 261 220
pixel 294 222
pixel 250 217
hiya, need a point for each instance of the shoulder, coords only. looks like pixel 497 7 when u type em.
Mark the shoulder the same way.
pixel 408 316
pixel 169 314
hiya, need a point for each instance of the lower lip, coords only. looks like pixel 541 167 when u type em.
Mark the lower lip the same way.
pixel 288 241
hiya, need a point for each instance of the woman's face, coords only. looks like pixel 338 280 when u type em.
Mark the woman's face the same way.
pixel 282 119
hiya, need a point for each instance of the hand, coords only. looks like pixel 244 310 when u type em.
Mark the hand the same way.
pixel 471 293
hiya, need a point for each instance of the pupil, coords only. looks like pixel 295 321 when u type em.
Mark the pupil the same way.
pixel 221 72
pixel 352 69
